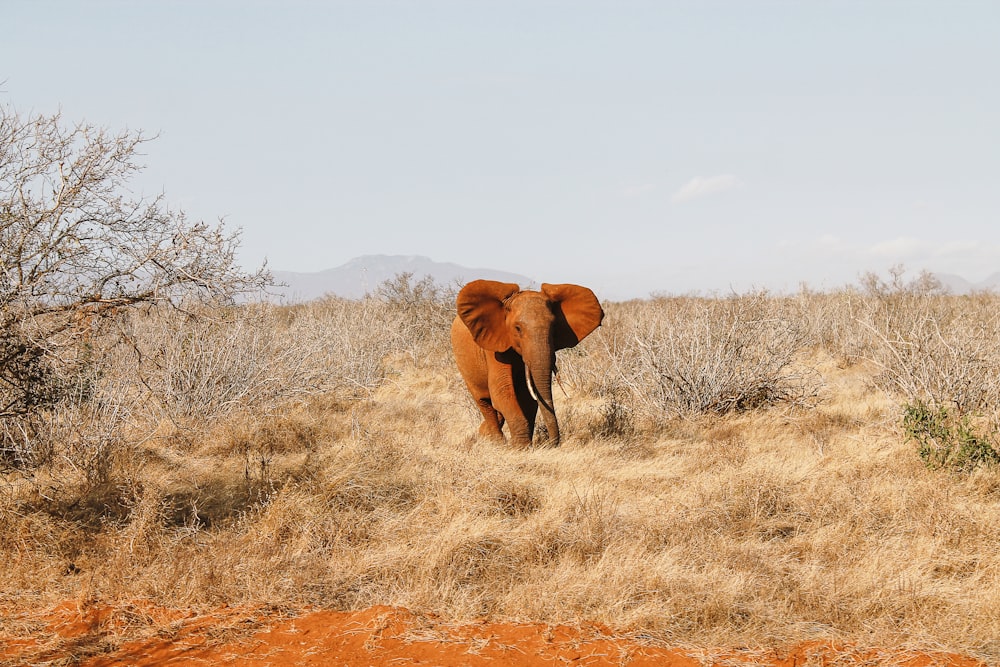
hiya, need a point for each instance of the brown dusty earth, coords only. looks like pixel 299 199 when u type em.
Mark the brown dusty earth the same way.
pixel 142 634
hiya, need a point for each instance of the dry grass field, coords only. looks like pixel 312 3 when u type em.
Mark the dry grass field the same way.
pixel 735 471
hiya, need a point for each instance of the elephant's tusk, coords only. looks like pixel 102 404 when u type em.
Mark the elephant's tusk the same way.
pixel 534 390
pixel 531 384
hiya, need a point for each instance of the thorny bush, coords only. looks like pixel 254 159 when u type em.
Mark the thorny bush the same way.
pixel 681 356
pixel 930 346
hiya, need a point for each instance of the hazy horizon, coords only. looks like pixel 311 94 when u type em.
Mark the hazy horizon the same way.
pixel 361 275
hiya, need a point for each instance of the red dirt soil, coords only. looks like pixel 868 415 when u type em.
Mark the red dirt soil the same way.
pixel 141 634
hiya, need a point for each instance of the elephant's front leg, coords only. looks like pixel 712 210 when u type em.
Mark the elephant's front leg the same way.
pixel 492 420
pixel 510 395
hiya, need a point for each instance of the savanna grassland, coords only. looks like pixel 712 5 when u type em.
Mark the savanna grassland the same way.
pixel 737 470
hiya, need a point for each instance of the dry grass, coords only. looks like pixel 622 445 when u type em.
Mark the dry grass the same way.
pixel 352 481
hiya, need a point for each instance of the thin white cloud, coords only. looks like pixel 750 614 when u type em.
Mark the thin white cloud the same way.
pixel 961 248
pixel 907 247
pixel 699 187
pixel 902 247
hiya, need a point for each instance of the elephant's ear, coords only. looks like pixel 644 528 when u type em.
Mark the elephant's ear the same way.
pixel 481 308
pixel 577 310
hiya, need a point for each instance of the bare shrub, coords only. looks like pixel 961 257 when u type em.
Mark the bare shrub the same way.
pixel 210 364
pixel 681 356
pixel 833 318
pixel 932 347
pixel 191 368
pixel 94 426
pixel 355 337
pixel 422 311
pixel 255 358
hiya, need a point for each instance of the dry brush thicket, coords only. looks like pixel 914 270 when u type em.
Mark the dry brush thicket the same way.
pixel 77 247
pixel 734 470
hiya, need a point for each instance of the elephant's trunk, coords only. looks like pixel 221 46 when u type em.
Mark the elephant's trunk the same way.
pixel 539 378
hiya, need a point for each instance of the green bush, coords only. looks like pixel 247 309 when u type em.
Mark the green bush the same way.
pixel 948 441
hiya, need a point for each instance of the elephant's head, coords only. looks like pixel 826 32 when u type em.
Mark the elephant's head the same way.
pixel 534 324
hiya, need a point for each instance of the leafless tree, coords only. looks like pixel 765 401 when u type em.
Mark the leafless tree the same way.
pixel 77 246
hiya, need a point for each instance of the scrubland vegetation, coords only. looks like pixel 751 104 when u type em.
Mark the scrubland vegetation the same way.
pixel 735 470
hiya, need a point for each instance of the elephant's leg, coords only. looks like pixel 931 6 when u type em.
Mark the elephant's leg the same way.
pixel 530 409
pixel 518 406
pixel 522 422
pixel 472 364
pixel 492 420
pixel 504 401
pixel 520 431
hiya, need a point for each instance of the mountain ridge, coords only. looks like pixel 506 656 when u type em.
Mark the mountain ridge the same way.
pixel 956 284
pixel 361 275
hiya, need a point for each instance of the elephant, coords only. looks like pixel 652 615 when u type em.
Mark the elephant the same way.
pixel 505 341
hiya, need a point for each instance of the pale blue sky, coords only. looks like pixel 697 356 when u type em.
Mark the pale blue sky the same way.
pixel 630 146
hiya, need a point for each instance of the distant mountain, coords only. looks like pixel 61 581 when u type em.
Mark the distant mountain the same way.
pixel 959 285
pixel 954 284
pixel 362 275
pixel 992 283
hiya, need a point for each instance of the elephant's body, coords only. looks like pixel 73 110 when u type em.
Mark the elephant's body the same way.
pixel 498 385
pixel 505 342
